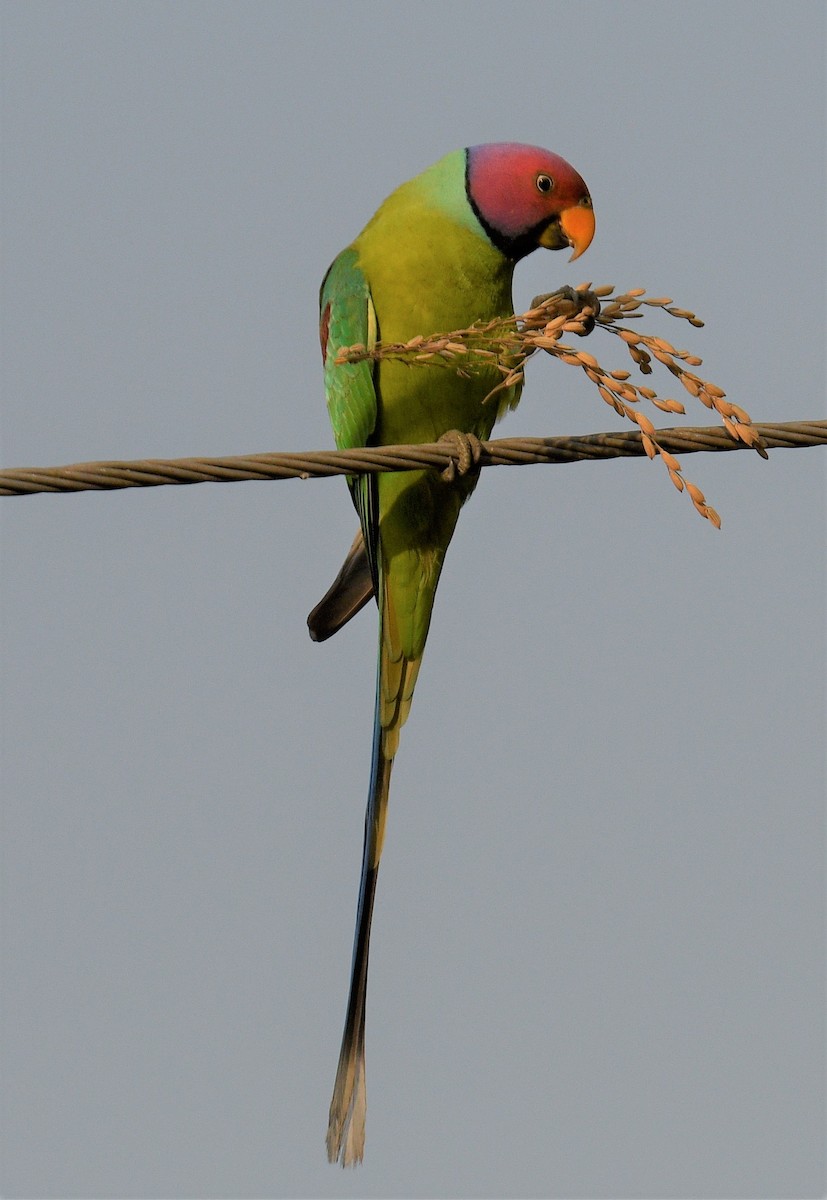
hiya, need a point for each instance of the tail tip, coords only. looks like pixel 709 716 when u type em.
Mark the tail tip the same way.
pixel 346 1126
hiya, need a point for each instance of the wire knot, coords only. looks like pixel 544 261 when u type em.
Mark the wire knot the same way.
pixel 468 449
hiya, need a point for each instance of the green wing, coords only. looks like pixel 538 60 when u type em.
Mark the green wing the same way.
pixel 347 318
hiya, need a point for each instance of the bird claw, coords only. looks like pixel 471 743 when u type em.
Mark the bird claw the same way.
pixel 577 300
pixel 467 447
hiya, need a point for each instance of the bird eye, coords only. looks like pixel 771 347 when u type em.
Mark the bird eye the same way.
pixel 544 183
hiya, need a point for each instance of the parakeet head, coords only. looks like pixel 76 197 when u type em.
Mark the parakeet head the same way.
pixel 525 197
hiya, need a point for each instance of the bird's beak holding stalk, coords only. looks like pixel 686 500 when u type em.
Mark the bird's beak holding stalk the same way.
pixel 574 227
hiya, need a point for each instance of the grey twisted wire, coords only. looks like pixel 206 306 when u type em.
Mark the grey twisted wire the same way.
pixel 106 476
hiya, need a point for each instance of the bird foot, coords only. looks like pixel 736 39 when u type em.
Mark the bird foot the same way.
pixel 467 447
pixel 573 302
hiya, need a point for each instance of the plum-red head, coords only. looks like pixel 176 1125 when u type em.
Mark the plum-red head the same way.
pixel 525 197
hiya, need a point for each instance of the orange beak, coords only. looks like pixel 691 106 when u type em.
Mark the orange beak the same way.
pixel 577 224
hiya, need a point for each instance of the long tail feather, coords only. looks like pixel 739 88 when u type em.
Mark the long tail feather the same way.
pixel 406 598
pixel 395 679
pixel 346 1124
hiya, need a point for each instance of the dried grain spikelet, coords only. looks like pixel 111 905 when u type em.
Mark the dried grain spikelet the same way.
pixel 643 422
pixel 753 438
pixel 731 429
pixel 627 392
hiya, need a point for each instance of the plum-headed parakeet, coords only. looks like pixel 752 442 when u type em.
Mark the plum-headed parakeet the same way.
pixel 438 255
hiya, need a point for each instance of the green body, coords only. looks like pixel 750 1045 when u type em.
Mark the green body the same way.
pixel 422 265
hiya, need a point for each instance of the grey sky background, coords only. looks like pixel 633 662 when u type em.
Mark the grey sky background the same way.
pixel 598 958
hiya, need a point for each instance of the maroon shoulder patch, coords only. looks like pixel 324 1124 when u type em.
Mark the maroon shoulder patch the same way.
pixel 324 330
